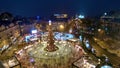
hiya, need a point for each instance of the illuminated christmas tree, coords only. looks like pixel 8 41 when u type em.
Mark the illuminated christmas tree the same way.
pixel 50 46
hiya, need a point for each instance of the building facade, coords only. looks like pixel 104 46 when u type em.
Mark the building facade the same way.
pixel 111 24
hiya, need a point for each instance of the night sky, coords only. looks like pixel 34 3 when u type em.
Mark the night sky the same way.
pixel 49 7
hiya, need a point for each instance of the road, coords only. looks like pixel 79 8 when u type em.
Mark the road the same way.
pixel 114 59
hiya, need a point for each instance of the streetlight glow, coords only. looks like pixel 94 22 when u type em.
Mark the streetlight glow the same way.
pixel 99 30
pixel 61 26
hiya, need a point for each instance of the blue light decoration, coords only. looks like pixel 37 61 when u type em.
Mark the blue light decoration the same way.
pixel 27 38
pixel 80 37
pixel 69 36
pixel 106 66
pixel 81 16
pixel 61 36
pixel 87 44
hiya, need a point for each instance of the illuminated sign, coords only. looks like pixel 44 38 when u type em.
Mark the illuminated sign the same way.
pixel 34 31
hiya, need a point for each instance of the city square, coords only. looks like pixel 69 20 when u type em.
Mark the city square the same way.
pixel 60 34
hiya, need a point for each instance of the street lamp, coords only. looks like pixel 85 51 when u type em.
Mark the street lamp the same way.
pixel 61 27
pixel 99 30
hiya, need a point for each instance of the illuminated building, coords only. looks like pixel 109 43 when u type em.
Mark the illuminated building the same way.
pixel 111 24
